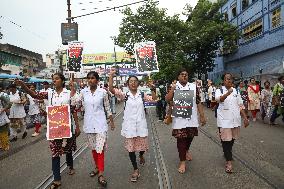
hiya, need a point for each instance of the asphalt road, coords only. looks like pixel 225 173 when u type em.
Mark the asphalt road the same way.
pixel 258 160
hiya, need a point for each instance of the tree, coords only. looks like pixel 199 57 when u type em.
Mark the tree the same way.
pixel 1 35
pixel 151 23
pixel 191 44
pixel 208 29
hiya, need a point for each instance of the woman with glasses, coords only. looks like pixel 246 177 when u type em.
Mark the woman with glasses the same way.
pixel 134 125
pixel 185 127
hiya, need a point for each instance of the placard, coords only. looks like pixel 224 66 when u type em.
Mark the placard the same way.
pixel 74 55
pixel 146 58
pixel 183 103
pixel 58 122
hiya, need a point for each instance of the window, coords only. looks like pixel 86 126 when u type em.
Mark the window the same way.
pixel 245 4
pixel 276 18
pixel 253 30
pixel 226 17
pixel 234 10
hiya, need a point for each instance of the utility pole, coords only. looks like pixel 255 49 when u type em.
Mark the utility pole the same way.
pixel 69 11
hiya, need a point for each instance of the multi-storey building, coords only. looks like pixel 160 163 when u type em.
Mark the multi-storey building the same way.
pixel 260 50
pixel 16 60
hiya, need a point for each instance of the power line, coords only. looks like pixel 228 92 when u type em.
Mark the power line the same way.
pixel 108 9
pixel 20 26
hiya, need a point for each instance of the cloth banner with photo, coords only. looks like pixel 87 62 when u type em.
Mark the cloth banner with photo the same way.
pixel 146 58
pixel 183 103
pixel 58 122
pixel 74 55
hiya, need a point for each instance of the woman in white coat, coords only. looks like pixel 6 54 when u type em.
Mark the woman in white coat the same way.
pixel 229 120
pixel 134 126
pixel 185 129
pixel 97 111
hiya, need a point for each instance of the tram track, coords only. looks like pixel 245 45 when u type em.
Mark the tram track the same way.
pixel 242 161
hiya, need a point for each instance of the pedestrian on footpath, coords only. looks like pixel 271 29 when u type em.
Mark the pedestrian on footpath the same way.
pixel 278 100
pixel 56 97
pixel 97 111
pixel 34 112
pixel 17 113
pixel 266 98
pixel 184 130
pixel 4 121
pixel 253 98
pixel 229 117
pixel 134 125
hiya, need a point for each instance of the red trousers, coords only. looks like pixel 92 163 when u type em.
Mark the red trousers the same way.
pixel 99 160
pixel 37 127
pixel 254 112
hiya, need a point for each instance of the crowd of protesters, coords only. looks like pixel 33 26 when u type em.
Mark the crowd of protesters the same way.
pixel 232 103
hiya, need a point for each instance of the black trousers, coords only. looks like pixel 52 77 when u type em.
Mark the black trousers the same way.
pixel 227 149
pixel 161 109
pixel 132 157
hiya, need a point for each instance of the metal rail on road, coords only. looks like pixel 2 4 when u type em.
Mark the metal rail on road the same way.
pixel 49 179
pixel 163 176
pixel 242 161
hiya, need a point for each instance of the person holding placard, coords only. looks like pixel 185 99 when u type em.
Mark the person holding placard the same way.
pixel 187 115
pixel 229 120
pixel 97 111
pixel 134 126
pixel 59 96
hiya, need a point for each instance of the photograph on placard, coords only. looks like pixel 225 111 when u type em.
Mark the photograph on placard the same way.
pixel 74 55
pixel 146 58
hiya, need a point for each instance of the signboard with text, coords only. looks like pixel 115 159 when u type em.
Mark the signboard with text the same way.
pixel 183 103
pixel 58 122
pixel 69 32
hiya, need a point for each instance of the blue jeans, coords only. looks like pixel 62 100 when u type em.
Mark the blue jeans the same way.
pixel 56 165
pixel 275 115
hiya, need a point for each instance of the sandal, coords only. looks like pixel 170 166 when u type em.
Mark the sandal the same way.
pixel 134 177
pixel 188 156
pixel 71 172
pixel 54 185
pixel 228 169
pixel 102 181
pixel 94 173
pixel 142 160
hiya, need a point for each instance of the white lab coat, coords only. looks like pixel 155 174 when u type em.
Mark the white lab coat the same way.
pixel 16 110
pixel 94 117
pixel 228 112
pixel 134 121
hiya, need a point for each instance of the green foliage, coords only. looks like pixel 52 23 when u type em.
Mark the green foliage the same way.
pixel 191 44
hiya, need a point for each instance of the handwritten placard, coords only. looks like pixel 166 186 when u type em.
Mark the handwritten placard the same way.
pixel 183 103
pixel 58 122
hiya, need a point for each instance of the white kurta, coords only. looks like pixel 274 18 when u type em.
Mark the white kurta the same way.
pixel 134 121
pixel 34 106
pixel 180 123
pixel 16 110
pixel 228 112
pixel 94 117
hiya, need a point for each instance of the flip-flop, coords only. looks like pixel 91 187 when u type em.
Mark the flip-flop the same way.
pixel 93 173
pixel 134 178
pixel 188 157
pixel 103 181
pixel 142 160
pixel 181 171
pixel 71 172
pixel 228 169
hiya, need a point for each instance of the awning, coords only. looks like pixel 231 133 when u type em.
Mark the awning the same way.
pixel 37 80
pixel 9 76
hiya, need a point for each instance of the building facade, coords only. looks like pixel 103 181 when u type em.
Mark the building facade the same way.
pixel 260 51
pixel 19 61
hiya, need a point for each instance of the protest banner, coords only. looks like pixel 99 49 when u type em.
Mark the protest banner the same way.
pixel 146 58
pixel 58 122
pixel 183 103
pixel 74 55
